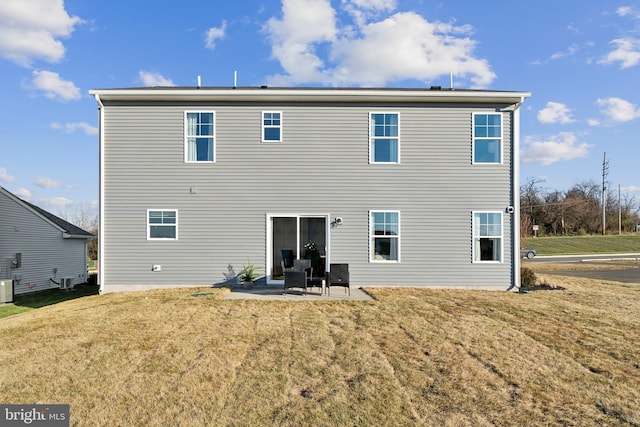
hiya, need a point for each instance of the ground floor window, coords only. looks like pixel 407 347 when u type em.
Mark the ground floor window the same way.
pixel 162 224
pixel 385 236
pixel 487 236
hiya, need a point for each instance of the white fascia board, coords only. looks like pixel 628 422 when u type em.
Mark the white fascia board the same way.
pixel 309 95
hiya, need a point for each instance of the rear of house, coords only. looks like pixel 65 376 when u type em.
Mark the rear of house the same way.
pixel 410 187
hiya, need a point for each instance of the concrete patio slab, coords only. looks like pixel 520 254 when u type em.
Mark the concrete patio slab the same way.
pixel 275 292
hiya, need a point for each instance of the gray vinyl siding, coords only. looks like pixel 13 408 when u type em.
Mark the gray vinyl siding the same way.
pixel 321 167
pixel 42 247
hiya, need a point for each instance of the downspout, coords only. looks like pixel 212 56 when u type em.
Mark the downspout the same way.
pixel 101 195
pixel 515 202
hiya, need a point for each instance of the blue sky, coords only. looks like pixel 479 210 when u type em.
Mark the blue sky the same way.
pixel 579 59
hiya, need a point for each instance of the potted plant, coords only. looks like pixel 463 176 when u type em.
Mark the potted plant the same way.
pixel 249 273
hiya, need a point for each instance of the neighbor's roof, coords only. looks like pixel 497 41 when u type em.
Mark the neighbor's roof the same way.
pixel 317 94
pixel 69 229
pixel 65 225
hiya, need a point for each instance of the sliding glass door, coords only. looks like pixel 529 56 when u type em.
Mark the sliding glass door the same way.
pixel 297 236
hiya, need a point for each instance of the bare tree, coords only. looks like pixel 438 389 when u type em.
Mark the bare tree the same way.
pixel 81 218
pixel 576 211
pixel 531 200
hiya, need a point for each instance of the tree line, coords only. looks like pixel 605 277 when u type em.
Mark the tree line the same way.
pixel 577 211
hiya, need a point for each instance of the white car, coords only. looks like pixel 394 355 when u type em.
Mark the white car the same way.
pixel 528 253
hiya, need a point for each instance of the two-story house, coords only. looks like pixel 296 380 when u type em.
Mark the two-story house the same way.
pixel 410 187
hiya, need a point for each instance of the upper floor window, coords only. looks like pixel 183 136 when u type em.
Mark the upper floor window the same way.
pixel 385 236
pixel 487 138
pixel 200 136
pixel 384 134
pixel 487 236
pixel 162 224
pixel 271 126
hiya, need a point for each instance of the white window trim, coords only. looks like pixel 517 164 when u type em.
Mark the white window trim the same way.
pixel 372 248
pixel 271 126
pixel 186 145
pixel 149 225
pixel 474 236
pixel 371 137
pixel 473 138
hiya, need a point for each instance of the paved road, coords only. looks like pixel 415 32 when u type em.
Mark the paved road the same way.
pixel 625 275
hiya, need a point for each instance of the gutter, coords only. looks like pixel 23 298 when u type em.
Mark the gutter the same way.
pixel 100 190
pixel 515 202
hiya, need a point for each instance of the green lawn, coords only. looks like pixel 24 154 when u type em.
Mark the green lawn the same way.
pixel 22 303
pixel 568 245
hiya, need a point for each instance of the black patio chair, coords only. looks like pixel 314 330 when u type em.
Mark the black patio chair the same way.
pixel 295 279
pixel 287 260
pixel 306 265
pixel 338 275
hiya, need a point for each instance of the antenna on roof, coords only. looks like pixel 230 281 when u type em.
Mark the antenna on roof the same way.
pixel 451 80
pixel 235 78
pixel 199 82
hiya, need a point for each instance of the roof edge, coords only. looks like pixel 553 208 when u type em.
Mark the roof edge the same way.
pixel 264 93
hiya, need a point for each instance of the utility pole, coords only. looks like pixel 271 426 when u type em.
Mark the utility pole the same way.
pixel 605 173
pixel 619 212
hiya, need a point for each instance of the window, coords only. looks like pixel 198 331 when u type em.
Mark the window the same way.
pixel 162 225
pixel 487 138
pixel 384 132
pixel 271 126
pixel 385 236
pixel 199 136
pixel 487 236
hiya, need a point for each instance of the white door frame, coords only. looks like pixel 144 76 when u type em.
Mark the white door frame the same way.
pixel 269 239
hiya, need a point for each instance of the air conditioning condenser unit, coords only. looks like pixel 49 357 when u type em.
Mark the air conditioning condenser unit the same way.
pixel 6 291
pixel 66 283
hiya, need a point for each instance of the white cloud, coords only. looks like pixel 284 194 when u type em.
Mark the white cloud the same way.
pixel 45 182
pixel 214 34
pixel 57 201
pixel 593 122
pixel 72 127
pixel 373 4
pixel 304 24
pixel 631 189
pixel 149 78
pixel 374 52
pixel 23 193
pixel 54 87
pixel 618 109
pixel 5 177
pixel 31 30
pixel 363 10
pixel 555 112
pixel 627 52
pixel 570 51
pixel 555 148
pixel 624 11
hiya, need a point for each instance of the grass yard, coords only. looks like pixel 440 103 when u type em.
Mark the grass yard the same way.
pixel 411 357
pixel 28 302
pixel 566 245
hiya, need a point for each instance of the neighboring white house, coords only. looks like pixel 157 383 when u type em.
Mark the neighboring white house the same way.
pixel 410 187
pixel 38 249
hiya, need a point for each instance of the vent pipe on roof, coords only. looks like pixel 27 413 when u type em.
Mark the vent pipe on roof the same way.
pixel 451 80
pixel 235 78
pixel 199 82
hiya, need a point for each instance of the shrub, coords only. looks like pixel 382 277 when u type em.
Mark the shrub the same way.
pixel 527 277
